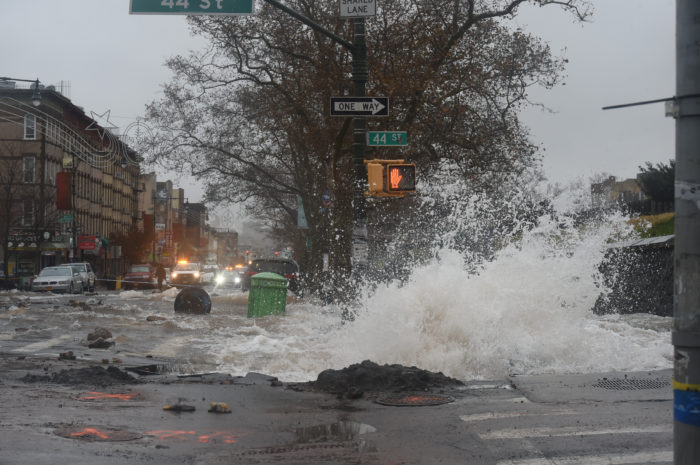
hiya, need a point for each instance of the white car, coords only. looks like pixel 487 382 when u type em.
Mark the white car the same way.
pixel 58 279
pixel 86 274
pixel 186 273
pixel 209 273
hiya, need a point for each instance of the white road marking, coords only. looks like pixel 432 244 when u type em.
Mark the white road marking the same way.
pixel 500 415
pixel 44 344
pixel 569 431
pixel 607 459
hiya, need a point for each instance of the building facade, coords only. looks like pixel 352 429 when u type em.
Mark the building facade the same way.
pixel 66 185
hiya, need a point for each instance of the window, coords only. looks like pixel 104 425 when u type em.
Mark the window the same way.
pixel 28 169
pixel 51 169
pixel 28 213
pixel 30 126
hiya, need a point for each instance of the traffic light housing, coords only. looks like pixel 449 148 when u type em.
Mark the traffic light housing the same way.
pixel 390 178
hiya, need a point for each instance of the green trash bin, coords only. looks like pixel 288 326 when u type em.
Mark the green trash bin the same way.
pixel 268 295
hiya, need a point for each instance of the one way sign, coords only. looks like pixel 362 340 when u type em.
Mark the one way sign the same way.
pixel 359 106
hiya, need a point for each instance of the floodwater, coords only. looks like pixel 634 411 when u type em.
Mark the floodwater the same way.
pixel 525 310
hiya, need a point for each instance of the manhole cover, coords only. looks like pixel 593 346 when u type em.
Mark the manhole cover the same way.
pixel 417 400
pixel 97 434
pixel 631 384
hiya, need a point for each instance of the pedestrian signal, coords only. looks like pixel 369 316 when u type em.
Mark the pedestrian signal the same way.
pixel 401 178
pixel 390 178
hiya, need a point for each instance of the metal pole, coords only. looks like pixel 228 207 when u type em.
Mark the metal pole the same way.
pixel 72 190
pixel 686 325
pixel 359 77
pixel 153 251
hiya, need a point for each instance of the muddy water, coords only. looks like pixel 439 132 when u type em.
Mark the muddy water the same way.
pixel 410 323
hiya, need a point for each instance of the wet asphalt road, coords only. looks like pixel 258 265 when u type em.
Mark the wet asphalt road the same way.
pixel 613 418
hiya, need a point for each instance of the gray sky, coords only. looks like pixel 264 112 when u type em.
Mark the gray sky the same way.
pixel 115 61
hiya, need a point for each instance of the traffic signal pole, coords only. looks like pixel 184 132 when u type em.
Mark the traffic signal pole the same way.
pixel 686 321
pixel 358 50
pixel 360 75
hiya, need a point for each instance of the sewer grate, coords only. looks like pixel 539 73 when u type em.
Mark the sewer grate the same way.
pixel 418 400
pixel 631 384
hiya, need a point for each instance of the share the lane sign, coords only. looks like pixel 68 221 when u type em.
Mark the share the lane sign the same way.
pixel 359 106
pixel 358 8
pixel 191 7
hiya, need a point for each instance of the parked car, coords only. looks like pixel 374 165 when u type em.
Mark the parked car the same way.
pixel 209 272
pixel 282 266
pixel 186 273
pixel 87 275
pixel 58 279
pixel 141 275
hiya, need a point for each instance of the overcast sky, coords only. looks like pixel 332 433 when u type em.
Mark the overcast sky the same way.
pixel 115 61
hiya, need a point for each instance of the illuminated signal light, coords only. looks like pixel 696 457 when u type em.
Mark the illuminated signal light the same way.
pixel 401 178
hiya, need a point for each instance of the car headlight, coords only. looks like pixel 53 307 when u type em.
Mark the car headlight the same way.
pixel 236 280
pixel 196 274
pixel 174 275
pixel 219 279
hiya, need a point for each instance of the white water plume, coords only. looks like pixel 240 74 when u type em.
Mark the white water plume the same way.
pixel 474 306
pixel 525 310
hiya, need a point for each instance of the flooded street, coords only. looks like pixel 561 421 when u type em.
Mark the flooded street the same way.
pixel 398 325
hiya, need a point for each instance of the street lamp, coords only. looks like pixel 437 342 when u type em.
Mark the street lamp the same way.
pixel 36 95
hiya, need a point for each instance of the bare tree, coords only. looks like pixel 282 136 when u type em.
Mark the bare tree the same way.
pixel 12 192
pixel 249 116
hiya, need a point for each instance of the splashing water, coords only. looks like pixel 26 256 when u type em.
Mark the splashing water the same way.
pixel 527 310
pixel 474 306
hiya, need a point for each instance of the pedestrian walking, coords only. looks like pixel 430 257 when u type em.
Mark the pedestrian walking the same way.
pixel 160 275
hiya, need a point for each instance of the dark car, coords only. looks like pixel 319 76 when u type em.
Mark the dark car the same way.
pixel 141 275
pixel 229 278
pixel 282 266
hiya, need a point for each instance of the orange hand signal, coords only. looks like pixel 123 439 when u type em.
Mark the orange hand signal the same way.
pixel 395 178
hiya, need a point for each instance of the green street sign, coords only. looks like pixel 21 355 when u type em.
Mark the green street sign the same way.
pixel 65 219
pixel 387 138
pixel 191 7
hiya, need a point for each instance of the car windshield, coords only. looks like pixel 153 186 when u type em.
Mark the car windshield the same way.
pixel 140 269
pixel 78 268
pixel 56 271
pixel 273 266
pixel 187 267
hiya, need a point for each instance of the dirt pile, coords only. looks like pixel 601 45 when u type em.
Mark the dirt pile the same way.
pixel 355 380
pixel 92 376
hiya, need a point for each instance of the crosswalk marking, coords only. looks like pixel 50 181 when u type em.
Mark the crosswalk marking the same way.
pixel 501 415
pixel 605 459
pixel 569 431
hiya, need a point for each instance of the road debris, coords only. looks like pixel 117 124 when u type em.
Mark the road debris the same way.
pixel 219 407
pixel 178 407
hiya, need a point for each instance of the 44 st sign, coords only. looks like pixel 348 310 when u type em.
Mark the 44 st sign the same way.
pixel 191 7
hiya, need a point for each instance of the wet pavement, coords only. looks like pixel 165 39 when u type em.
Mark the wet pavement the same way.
pixel 126 405
pixel 525 420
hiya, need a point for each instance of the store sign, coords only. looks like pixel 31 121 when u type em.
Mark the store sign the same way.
pixel 87 242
